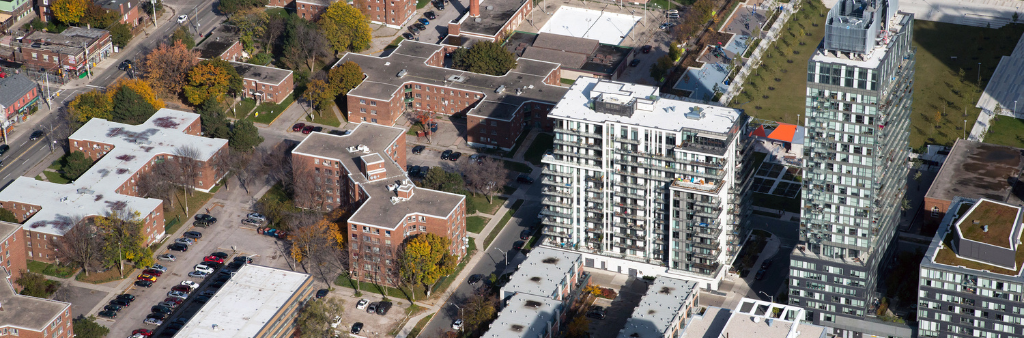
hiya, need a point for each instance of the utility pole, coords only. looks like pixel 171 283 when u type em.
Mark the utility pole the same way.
pixel 47 100
pixel 153 4
pixel 87 68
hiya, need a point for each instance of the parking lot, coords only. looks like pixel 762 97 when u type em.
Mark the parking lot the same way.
pixel 374 325
pixel 630 291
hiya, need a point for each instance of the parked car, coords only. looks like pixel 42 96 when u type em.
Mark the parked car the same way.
pixel 168 304
pixel 182 18
pixel 766 264
pixel 196 235
pixel 760 274
pixel 143 283
pixel 126 297
pixel 256 216
pixel 307 130
pixel 38 134
pixel 153 321
pixel 383 308
pixel 525 234
pixel 182 288
pixel 153 272
pixel 121 302
pixel 203 268
pixel 205 217
pixel 251 222
pixel 4 148
pixel 125 65
pixel 424 21
pixel 634 63
pixel 317 129
pixel 159 267
pixel 372 308
pixel 175 300
pixel 597 312
pixel 202 299
pixel 362 304
pixel 143 332
pixel 430 15
pixel 155 315
pixel 439 5
pixel 518 245
pixel 418 149
pixel 201 224
pixel 478 158
pixel 298 126
pixel 108 314
pixel 150 278
pixel 475 278
pixel 524 179
pixel 243 259
pixel 322 293
pixel 112 307
pixel 178 247
pixel 186 241
pixel 445 154
pixel 160 309
pixel 457 325
pixel 190 284
pixel 455 156
pixel 220 255
pixel 408 36
pixel 198 274
pixel 413 29
pixel 420 26
pixel 673 16
pixel 672 11
pixel 177 294
pixel 166 257
pixel 358 326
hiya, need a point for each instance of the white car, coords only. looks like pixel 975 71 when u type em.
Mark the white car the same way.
pixel 257 217
pixel 673 11
pixel 673 16
pixel 190 284
pixel 197 274
pixel 204 269
pixel 166 257
pixel 457 325
pixel 182 18
pixel 362 304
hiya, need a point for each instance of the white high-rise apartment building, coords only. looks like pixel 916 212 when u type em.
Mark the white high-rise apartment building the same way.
pixel 641 184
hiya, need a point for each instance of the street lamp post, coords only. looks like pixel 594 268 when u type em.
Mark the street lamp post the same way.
pixel 461 315
pixel 504 253
pixel 965 129
pixel 772 298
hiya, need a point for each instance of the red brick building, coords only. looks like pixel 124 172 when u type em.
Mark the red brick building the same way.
pixel 24 316
pixel 364 171
pixel 497 21
pixel 391 13
pixel 128 10
pixel 498 108
pixel 222 43
pixel 264 83
pixel 122 152
pixel 64 51
pixel 311 9
pixel 18 96
pixel 976 170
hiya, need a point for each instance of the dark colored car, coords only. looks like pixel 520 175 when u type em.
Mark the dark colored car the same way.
pixel 125 65
pixel 152 272
pixel 766 264
pixel 160 316
pixel 634 63
pixel 518 245
pixel 358 326
pixel 143 332
pixel 439 5
pixel 143 283
pixel 760 274
pixel 446 154
pixel 177 301
pixel 192 234
pixel 372 308
pixel 525 234
pixel 220 255
pixel 234 266
pixel 4 148
pixel 182 288
pixel 383 308
pixel 112 307
pixel 420 26
pixel 455 156
pixel 201 224
pixel 307 129
pixel 207 218
pixel 646 49
pixel 108 314
pixel 178 247
pixel 321 293
pixel 126 297
pixel 524 179
pixel 202 299
pixel 298 126
pixel 121 302
pixel 318 129
pixel 418 149
pixel 243 259
pixel 38 134
pixel 160 309
pixel 473 279
pixel 408 36
pixel 413 29
pixel 596 312
pixel 430 15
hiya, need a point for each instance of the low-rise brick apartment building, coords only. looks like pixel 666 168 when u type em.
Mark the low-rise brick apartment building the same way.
pixel 25 316
pixel 65 53
pixel 413 78
pixel 122 152
pixel 221 43
pixel 18 96
pixel 975 170
pixel 264 83
pixel 364 171
pixel 970 282
pixel 128 10
pixel 494 22
pixel 13 10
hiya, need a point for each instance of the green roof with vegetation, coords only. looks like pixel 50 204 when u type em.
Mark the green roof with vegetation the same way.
pixel 1000 219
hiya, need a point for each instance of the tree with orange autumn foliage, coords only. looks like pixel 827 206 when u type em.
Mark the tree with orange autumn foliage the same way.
pixel 167 66
pixel 139 86
pixel 211 78
pixel 319 249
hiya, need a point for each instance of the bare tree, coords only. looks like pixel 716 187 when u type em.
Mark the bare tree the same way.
pixel 313 188
pixel 308 46
pixel 237 164
pixel 487 177
pixel 157 182
pixel 80 245
pixel 275 163
pixel 188 169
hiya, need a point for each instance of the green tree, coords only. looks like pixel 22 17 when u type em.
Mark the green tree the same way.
pixel 480 308
pixel 69 11
pixel 88 328
pixel 130 107
pixel 120 34
pixel 214 123
pixel 345 77
pixel 675 52
pixel 36 285
pixel 439 179
pixel 244 136
pixel 75 164
pixel 424 259
pixel 484 57
pixel 123 239
pixel 89 105
pixel 8 216
pixel 319 95
pixel 231 6
pixel 182 34
pixel 252 24
pixel 211 78
pixel 662 67
pixel 316 317
pixel 346 27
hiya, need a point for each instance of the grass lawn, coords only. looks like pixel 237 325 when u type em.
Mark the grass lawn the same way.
pixel 55 165
pixel 788 80
pixel 419 326
pixel 515 147
pixel 421 4
pixel 475 224
pixel 106 276
pixel 242 108
pixel 504 220
pixel 541 144
pixel 268 111
pixel 394 43
pixel 478 203
pixel 55 177
pixel 327 118
pixel 1007 131
pixel 175 216
pixel 568 81
pixel 518 166
pixel 50 269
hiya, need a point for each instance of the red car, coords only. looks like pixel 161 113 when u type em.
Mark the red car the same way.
pixel 174 300
pixel 182 288
pixel 143 332
pixel 153 272
pixel 214 259
pixel 307 129
pixel 298 126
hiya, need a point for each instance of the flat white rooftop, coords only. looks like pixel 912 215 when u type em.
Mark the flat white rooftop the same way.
pixel 94 193
pixel 664 114
pixel 872 58
pixel 245 304
pixel 543 272
pixel 525 316
pixel 608 28
pixel 664 304
pixel 753 318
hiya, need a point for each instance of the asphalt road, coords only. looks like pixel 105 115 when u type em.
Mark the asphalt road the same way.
pixel 492 262
pixel 778 273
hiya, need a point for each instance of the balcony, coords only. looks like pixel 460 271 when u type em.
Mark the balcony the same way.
pixel 628 235
pixel 703 232
pixel 547 171
pixel 548 212
pixel 577 132
pixel 630 216
pixel 556 201
pixel 698 184
pixel 594 219
pixel 594 188
pixel 557 192
pixel 713 255
pixel 712 247
pixel 556 232
pixel 702 148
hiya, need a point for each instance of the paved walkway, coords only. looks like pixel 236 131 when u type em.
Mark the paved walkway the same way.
pixel 741 286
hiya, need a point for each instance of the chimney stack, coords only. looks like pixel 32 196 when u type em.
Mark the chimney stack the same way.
pixel 474 8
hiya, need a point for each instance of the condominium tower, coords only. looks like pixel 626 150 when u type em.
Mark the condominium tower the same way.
pixel 859 89
pixel 641 184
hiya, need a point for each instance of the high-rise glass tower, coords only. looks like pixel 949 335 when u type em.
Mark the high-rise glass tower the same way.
pixel 859 93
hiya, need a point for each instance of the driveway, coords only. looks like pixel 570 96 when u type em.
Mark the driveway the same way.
pixel 618 310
